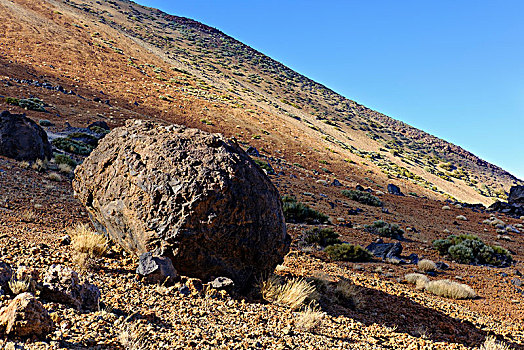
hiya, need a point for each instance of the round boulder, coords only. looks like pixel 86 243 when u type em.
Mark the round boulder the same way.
pixel 182 193
pixel 22 139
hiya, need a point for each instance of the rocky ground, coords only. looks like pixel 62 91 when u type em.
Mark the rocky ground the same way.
pixel 391 314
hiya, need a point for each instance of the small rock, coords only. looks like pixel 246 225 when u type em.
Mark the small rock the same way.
pixel 65 240
pixel 394 189
pixel 462 218
pixel 517 282
pixel 336 183
pixel 446 207
pixel 25 316
pixel 442 265
pixel 184 290
pixel 222 283
pixel 156 269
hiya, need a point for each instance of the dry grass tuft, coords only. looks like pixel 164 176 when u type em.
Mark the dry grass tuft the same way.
pixel 39 165
pixel 416 278
pixel 88 245
pixel 132 338
pixel 19 287
pixel 310 319
pixel 65 168
pixel 54 177
pixel 24 164
pixel 292 293
pixel 29 216
pixel 449 289
pixel 348 293
pixel 491 343
pixel 426 265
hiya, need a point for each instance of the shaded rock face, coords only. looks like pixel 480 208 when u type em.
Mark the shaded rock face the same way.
pixel 62 285
pixel 156 269
pixel 25 316
pixel 385 250
pixel 22 139
pixel 516 195
pixel 182 193
pixel 394 189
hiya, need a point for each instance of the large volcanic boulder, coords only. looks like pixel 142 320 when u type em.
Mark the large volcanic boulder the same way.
pixel 516 195
pixel 182 193
pixel 22 139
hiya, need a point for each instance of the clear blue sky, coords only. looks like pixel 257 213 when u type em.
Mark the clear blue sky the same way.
pixel 453 68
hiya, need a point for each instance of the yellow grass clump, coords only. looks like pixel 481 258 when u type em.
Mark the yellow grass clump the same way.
pixel 19 287
pixel 491 343
pixel 426 265
pixel 309 319
pixel 85 240
pixel 348 293
pixel 292 293
pixel 449 289
pixel 416 278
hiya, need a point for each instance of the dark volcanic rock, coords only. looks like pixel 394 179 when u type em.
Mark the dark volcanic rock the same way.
pixel 385 250
pixel 394 189
pixel 156 269
pixel 516 196
pixel 22 139
pixel 192 196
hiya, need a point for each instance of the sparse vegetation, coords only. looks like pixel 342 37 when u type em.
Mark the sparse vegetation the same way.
pixel 362 197
pixel 417 279
pixel 19 286
pixel 426 265
pixel 297 212
pixel 385 229
pixel 54 177
pixel 347 294
pixel 265 166
pixel 450 289
pixel 309 319
pixel 491 343
pixel 469 249
pixel 88 244
pixel 72 146
pixel 321 236
pixel 63 159
pixel 347 252
pixel 292 293
pixel 29 215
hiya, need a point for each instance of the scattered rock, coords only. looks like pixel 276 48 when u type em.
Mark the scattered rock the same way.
pixel 413 258
pixel 336 183
pixel 222 283
pixel 62 285
pixel 442 265
pixel 22 139
pixel 462 218
pixel 25 316
pixel 156 269
pixel 446 207
pixel 214 213
pixel 394 189
pixel 385 250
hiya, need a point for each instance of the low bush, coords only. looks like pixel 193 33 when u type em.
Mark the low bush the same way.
pixel 297 212
pixel 321 236
pixel 72 146
pixel 265 165
pixel 417 279
pixel 347 252
pixel 309 319
pixel 63 159
pixel 347 294
pixel 385 229
pixel 469 249
pixel 362 197
pixel 449 289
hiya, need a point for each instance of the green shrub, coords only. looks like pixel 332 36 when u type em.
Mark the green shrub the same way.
pixel 12 101
pixel 469 249
pixel 297 212
pixel 72 146
pixel 99 130
pixel 265 166
pixel 347 252
pixel 362 197
pixel 385 229
pixel 33 104
pixel 63 159
pixel 321 236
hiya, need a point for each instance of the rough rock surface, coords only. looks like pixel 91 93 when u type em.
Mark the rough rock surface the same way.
pixel 516 195
pixel 25 316
pixel 156 269
pixel 6 272
pixel 22 139
pixel 394 189
pixel 62 285
pixel 385 250
pixel 192 196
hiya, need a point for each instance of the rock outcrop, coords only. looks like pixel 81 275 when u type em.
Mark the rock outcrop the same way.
pixel 22 139
pixel 394 189
pixel 516 196
pixel 25 316
pixel 192 196
pixel 62 285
